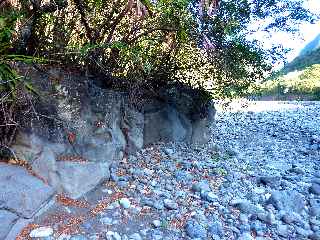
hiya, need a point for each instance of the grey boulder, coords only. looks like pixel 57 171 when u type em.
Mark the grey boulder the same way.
pixel 76 179
pixel 287 200
pixel 22 193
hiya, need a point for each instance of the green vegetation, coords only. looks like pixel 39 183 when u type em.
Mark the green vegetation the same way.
pixel 144 45
pixel 299 79
pixel 303 84
pixel 155 43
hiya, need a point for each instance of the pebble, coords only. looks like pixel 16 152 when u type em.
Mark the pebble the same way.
pixel 288 218
pixel 106 221
pixel 125 203
pixel 169 204
pixel 246 236
pixel 282 230
pixel 113 235
pixel 272 181
pixel 216 228
pixel 135 236
pixel 195 230
pixel 79 237
pixel 202 186
pixel 156 223
pixel 209 196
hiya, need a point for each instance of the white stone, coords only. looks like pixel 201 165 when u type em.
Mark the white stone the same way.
pixel 125 203
pixel 108 191
pixel 41 232
pixel 113 235
pixel 156 223
pixel 135 236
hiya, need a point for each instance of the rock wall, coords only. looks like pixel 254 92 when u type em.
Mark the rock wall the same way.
pixel 78 130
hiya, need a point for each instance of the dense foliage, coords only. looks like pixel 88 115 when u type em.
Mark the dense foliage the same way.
pixel 199 42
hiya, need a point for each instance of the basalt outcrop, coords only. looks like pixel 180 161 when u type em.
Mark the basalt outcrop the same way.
pixel 78 129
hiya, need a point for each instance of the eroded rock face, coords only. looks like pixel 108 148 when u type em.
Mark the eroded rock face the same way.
pixel 166 124
pixel 81 129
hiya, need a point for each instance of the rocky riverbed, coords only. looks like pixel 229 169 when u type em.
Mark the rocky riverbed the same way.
pixel 258 178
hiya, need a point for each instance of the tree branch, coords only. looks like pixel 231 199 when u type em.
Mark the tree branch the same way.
pixel 118 20
pixel 81 9
pixel 150 31
pixel 105 26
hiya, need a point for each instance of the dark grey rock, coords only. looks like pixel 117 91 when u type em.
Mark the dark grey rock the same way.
pixel 171 126
pixel 315 222
pixel 245 236
pixel 283 230
pixel 216 228
pixel 289 218
pixel 209 196
pixel 245 206
pixel 202 186
pixel 244 228
pixel 272 181
pixel 153 203
pixel 257 226
pixel 134 123
pixel 169 204
pixel 315 236
pixel 296 170
pixel 316 180
pixel 135 236
pixel 122 184
pixel 303 232
pixel 315 189
pixel 169 151
pixel 268 218
pixel 288 200
pixel 314 207
pixel 243 218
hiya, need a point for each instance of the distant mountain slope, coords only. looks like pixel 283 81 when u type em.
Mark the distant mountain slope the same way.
pixel 311 46
pixel 308 56
pixel 299 78
pixel 303 61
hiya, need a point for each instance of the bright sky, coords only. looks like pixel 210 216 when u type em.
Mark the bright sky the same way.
pixel 308 33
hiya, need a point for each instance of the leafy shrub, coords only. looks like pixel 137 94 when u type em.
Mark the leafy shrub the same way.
pixel 156 43
pixel 13 88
